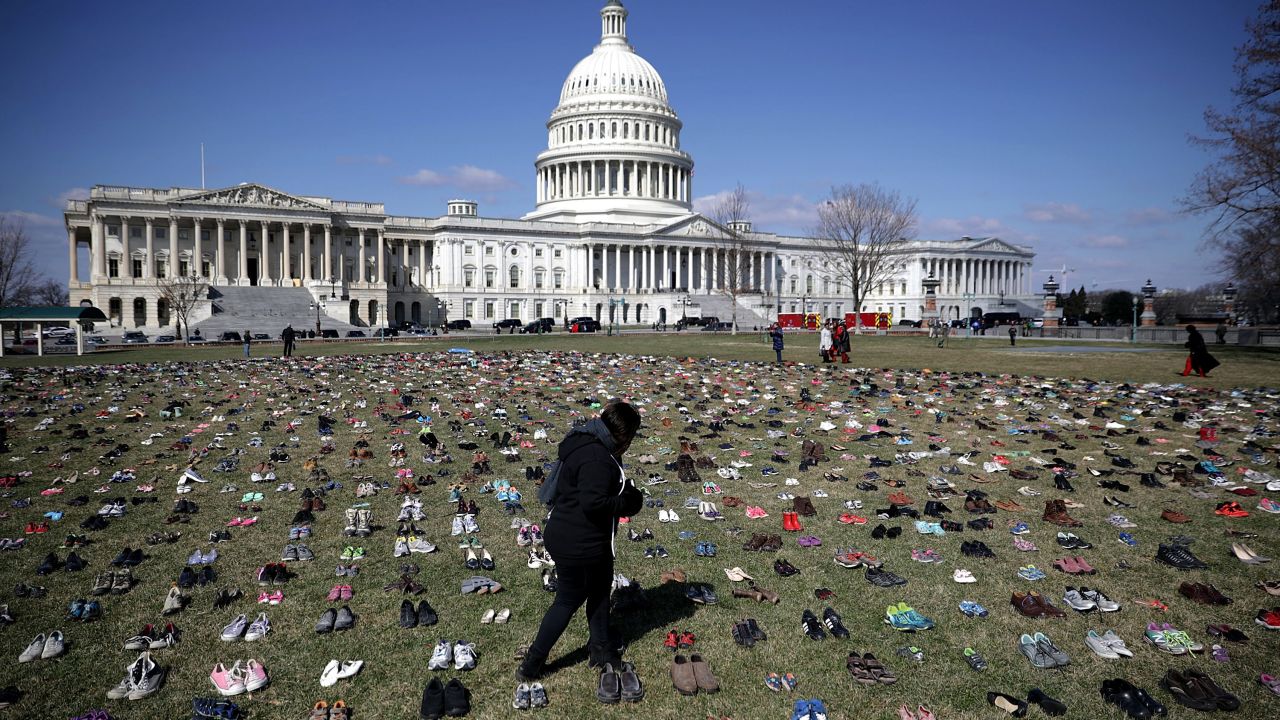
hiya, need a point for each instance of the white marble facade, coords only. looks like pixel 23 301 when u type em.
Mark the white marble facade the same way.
pixel 613 234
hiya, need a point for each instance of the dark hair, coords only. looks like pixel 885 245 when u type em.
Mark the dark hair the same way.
pixel 622 420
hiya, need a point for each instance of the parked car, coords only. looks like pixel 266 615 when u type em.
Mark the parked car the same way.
pixel 230 336
pixel 58 331
pixel 1037 323
pixel 329 333
pixel 909 323
pixel 458 324
pixel 508 323
pixel 541 325
pixel 356 333
pixel 415 329
pixel 586 323
pixel 64 340
pixel 95 340
pixel 960 323
pixel 385 332
pixel 166 339
pixel 134 337
pixel 717 327
pixel 196 339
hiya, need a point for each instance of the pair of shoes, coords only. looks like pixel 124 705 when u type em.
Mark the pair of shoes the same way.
pixel 462 655
pixel 620 684
pixel 337 670
pixel 692 674
pixel 424 615
pixel 440 699
pixel 530 695
pixel 1041 651
pixel 335 620
pixel 235 680
pixel 811 709
pixel 143 678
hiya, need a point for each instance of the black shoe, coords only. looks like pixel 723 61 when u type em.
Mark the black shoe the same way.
pixel 207 575
pixel 327 620
pixel 49 565
pixel 878 533
pixel 1008 703
pixel 75 563
pixel 186 578
pixel 122 558
pixel 135 558
pixel 834 625
pixel 893 532
pixel 432 701
pixel 457 699
pixel 345 618
pixel 530 670
pixel 427 614
pixel 609 688
pixel 811 627
pixel 1049 705
pixel 408 617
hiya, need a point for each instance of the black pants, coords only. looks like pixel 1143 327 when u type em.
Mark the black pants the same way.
pixel 579 583
pixel 778 352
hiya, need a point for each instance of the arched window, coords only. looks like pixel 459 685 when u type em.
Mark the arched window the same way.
pixel 602 135
pixel 514 276
pixel 624 131
pixel 579 131
pixel 646 132
pixel 808 284
pixel 614 134
pixel 591 132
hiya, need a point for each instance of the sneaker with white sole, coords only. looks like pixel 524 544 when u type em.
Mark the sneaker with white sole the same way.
pixel 258 629
pixel 235 629
pixel 255 676
pixel 441 657
pixel 464 656
pixel 227 681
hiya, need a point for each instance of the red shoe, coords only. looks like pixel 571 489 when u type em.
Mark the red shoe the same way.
pixel 671 642
pixel 686 639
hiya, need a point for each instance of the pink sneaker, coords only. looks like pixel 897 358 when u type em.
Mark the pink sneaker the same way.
pixel 264 598
pixel 255 676
pixel 227 682
pixel 335 594
pixel 346 592
pixel 235 522
pixel 276 597
pixel 249 521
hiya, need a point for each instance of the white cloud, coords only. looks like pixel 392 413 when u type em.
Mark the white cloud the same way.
pixel 378 159
pixel 463 177
pixel 772 213
pixel 76 193
pixel 972 226
pixel 1055 212
pixel 1106 241
pixel 30 219
pixel 1148 216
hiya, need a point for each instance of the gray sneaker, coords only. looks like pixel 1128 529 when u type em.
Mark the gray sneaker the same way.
pixel 1059 656
pixel 401 548
pixel 523 698
pixel 1077 601
pixel 290 553
pixel 152 679
pixel 1037 655
pixel 133 675
pixel 33 650
pixel 54 646
pixel 259 628
pixel 235 628
pixel 1099 646
pixel 304 553
pixel 421 545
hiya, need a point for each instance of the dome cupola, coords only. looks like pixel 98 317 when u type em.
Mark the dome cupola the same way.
pixel 613 147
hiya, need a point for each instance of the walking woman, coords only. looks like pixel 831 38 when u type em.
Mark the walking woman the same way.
pixel 824 343
pixel 1198 358
pixel 587 493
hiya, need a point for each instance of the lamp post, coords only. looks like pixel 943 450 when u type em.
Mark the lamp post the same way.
pixel 317 305
pixel 968 312
pixel 333 287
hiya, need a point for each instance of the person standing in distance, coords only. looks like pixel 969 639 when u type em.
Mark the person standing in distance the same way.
pixel 586 492
pixel 288 336
pixel 247 341
pixel 775 334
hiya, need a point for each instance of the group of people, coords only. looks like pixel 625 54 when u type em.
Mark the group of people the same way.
pixel 834 341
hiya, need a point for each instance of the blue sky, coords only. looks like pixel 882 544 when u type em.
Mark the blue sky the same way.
pixel 1060 125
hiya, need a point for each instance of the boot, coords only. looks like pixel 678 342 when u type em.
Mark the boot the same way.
pixel 1187 370
pixel 749 594
pixel 350 529
pixel 364 518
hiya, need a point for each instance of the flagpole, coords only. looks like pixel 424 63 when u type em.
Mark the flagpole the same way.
pixel 201 166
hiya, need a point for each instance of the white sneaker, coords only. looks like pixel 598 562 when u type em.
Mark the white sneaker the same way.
pixel 33 650
pixel 464 656
pixel 672 516
pixel 259 629
pixel 963 576
pixel 193 476
pixel 329 676
pixel 664 516
pixel 347 668
pixel 1028 491
pixel 535 560
pixel 469 522
pixel 964 459
pixel 457 525
pixel 791 481
pixel 993 467
pixel 441 658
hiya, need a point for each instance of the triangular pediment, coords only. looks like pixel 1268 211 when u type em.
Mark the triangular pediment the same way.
pixel 694 226
pixel 250 195
pixel 993 244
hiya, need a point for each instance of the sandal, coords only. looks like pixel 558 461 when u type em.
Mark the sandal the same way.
pixel 882 674
pixel 319 711
pixel 339 711
pixel 858 669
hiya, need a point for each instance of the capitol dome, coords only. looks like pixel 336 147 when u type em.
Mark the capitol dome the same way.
pixel 613 142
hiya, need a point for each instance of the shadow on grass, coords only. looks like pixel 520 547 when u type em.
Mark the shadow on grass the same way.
pixel 666 605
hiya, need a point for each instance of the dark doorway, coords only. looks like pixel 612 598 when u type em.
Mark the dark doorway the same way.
pixel 252 268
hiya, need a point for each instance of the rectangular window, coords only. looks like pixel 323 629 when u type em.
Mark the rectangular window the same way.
pixel 469 309
pixel 557 253
pixel 113 231
pixel 205 235
pixel 514 310
pixel 488 278
pixel 488 250
pixel 537 280
pixel 137 268
pixel 537 309
pixel 161 233
pixel 558 280
pixel 113 267
pixel 537 252
pixel 183 234
pixel 468 250
pixel 135 231
pixel 205 269
pixel 183 265
pixel 159 268
pixel 468 277
pixel 488 309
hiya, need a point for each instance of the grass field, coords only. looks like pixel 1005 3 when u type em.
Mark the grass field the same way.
pixel 675 374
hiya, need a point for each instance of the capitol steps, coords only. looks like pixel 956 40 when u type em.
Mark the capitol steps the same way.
pixel 750 312
pixel 267 310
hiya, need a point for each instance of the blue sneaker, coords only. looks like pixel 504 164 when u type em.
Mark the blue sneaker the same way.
pixel 802 710
pixel 972 609
pixel 686 534
pixel 817 711
pixel 1020 529
pixel 1128 539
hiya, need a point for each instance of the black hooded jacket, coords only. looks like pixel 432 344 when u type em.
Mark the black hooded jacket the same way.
pixel 590 497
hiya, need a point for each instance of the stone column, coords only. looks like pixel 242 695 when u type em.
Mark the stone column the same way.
pixel 286 270
pixel 173 247
pixel 97 251
pixel 243 273
pixel 307 271
pixel 326 270
pixel 149 266
pixel 220 255
pixel 197 250
pixel 264 259
pixel 1051 311
pixel 382 277
pixel 363 275
pixel 73 260
pixel 126 267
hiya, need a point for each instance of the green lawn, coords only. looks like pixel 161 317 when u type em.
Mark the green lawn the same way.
pixel 395 659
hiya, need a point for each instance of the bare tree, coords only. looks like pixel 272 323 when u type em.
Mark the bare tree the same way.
pixel 50 292
pixel 182 294
pixel 1240 189
pixel 862 232
pixel 733 213
pixel 18 276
